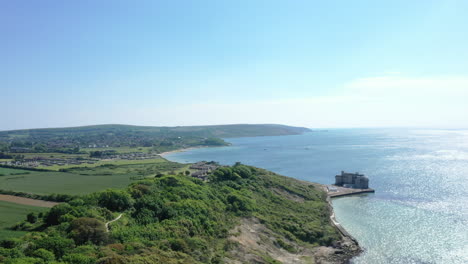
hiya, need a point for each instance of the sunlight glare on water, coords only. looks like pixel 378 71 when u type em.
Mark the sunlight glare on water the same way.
pixel 419 213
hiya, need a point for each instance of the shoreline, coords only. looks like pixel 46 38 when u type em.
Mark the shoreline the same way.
pixel 350 245
pixel 345 249
pixel 354 249
pixel 162 154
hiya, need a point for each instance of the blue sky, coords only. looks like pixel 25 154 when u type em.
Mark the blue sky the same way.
pixel 308 63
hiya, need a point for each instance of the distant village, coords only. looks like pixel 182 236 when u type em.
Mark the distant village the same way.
pixel 37 162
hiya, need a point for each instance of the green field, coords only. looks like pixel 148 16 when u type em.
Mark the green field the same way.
pixel 7 172
pixel 103 162
pixel 11 214
pixel 77 181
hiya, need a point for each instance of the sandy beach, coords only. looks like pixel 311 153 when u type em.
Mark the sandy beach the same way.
pixel 177 150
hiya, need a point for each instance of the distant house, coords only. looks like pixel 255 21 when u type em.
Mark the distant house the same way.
pixel 352 180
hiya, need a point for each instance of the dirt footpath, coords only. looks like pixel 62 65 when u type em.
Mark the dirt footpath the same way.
pixel 26 201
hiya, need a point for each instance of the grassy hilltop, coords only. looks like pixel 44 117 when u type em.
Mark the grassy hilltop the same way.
pixel 241 214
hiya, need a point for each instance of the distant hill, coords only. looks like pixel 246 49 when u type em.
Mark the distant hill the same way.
pixel 69 139
pixel 238 130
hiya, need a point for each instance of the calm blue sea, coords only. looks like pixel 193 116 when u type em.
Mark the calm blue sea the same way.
pixel 419 213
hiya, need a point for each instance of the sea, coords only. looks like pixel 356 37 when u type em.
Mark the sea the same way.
pixel 419 212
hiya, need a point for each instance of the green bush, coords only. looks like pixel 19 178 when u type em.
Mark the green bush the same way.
pixel 114 200
pixel 85 229
pixel 44 254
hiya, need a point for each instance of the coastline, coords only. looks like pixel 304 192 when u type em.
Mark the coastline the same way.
pixel 348 247
pixel 353 247
pixel 162 154
pixel 341 251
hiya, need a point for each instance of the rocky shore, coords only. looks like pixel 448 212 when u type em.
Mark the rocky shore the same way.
pixel 342 251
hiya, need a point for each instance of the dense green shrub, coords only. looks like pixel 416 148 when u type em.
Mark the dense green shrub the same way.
pixel 53 216
pixel 175 219
pixel 114 200
pixel 85 229
pixel 44 254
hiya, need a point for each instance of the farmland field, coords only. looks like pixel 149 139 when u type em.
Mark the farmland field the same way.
pixel 77 181
pixel 12 213
pixel 8 172
pixel 103 162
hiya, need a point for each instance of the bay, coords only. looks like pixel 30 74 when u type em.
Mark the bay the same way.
pixel 419 213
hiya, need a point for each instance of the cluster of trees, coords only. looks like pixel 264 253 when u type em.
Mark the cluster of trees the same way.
pixel 101 154
pixel 5 156
pixel 31 146
pixel 171 219
pixel 53 197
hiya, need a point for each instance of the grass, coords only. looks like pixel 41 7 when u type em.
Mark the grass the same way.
pixel 12 213
pixel 103 162
pixel 8 171
pixel 62 182
pixel 85 180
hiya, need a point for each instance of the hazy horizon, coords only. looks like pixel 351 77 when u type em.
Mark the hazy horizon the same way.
pixel 337 64
pixel 309 127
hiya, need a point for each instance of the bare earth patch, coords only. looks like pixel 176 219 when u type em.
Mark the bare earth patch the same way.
pixel 255 243
pixel 26 201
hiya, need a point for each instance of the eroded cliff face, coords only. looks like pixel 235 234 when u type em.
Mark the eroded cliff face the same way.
pixel 253 242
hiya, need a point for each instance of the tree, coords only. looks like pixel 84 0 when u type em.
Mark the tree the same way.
pixel 18 157
pixel 5 156
pixel 3 147
pixel 44 254
pixel 76 258
pixel 31 218
pixel 52 217
pixel 87 229
pixel 56 244
pixel 214 142
pixel 115 200
pixel 40 148
pixel 95 154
